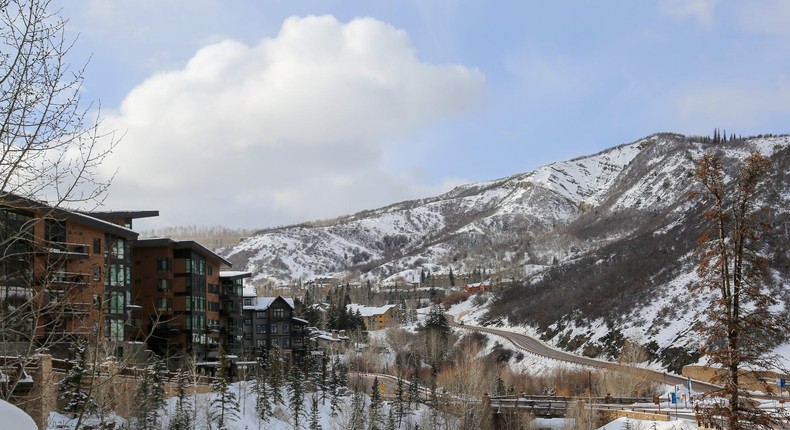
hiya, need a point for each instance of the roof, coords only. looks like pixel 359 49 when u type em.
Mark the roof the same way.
pixel 180 244
pixel 234 274
pixel 263 303
pixel 122 214
pixel 13 201
pixel 368 311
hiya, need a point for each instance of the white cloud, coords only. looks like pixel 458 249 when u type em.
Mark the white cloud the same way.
pixel 290 129
pixel 699 10
pixel 766 16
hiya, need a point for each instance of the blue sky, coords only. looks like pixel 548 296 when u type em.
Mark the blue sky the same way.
pixel 263 113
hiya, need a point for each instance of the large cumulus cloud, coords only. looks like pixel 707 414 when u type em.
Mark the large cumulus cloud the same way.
pixel 293 128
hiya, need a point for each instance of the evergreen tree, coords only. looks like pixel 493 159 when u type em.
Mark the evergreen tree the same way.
pixel 400 394
pixel 315 416
pixel 334 387
pixel 263 405
pixel 392 423
pixel 500 386
pixel 181 419
pixel 276 377
pixel 225 406
pixel 414 389
pixel 375 404
pixel 452 278
pixel 75 399
pixel 296 391
pixel 357 411
pixel 150 397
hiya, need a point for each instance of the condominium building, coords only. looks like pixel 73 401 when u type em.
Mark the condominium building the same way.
pixel 177 292
pixel 269 323
pixel 65 276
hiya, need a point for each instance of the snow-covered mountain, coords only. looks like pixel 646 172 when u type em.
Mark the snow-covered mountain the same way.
pixel 604 244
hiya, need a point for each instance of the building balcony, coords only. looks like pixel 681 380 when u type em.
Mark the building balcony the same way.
pixel 63 250
pixel 168 329
pixel 64 280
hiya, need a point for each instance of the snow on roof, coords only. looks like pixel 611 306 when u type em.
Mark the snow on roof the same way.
pixel 234 273
pixel 300 320
pixel 263 303
pixel 368 311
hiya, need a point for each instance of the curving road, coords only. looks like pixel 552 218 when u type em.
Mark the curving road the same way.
pixel 537 347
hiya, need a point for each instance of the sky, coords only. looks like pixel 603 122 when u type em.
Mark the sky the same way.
pixel 256 113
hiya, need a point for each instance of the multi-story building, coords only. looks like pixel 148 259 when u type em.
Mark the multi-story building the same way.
pixel 376 317
pixel 269 323
pixel 64 276
pixel 231 293
pixel 177 292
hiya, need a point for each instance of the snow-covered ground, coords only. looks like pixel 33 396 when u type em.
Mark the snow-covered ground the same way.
pixel 11 417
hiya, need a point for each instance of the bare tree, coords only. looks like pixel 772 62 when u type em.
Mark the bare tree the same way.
pixel 741 327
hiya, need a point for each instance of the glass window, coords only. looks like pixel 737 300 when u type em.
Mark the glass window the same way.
pixel 260 315
pixel 260 343
pixel 247 336
pixel 115 300
pixel 209 270
pixel 247 302
pixel 116 330
pixel 278 314
pixel 97 245
pixel 96 273
pixel 163 285
pixel 285 343
pixel 286 327
pixel 273 328
pixel 275 343
pixel 260 328
pixel 163 265
pixel 247 321
pixel 188 304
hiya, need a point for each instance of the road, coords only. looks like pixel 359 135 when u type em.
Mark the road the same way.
pixel 537 347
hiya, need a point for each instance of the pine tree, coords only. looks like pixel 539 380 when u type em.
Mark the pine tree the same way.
pixel 74 398
pixel 375 405
pixel 276 377
pixel 296 391
pixel 141 405
pixel 225 406
pixel 414 390
pixel 400 394
pixel 357 411
pixel 315 415
pixel 181 419
pixel 334 387
pixel 263 406
pixel 157 395
pixel 452 278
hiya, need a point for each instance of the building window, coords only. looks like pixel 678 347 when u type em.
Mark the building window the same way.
pixel 163 305
pixel 260 328
pixel 247 302
pixel 286 327
pixel 97 245
pixel 96 273
pixel 163 265
pixel 260 343
pixel 247 321
pixel 209 270
pixel 297 340
pixel 286 343
pixel 213 289
pixel 213 306
pixel 275 343
pixel 278 314
pixel 273 328
pixel 247 336
pixel 116 330
pixel 163 285
pixel 260 315
pixel 115 303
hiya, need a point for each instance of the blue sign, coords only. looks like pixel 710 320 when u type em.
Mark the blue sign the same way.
pixel 781 382
pixel 674 397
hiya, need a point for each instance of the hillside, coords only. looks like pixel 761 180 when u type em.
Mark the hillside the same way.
pixel 600 247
